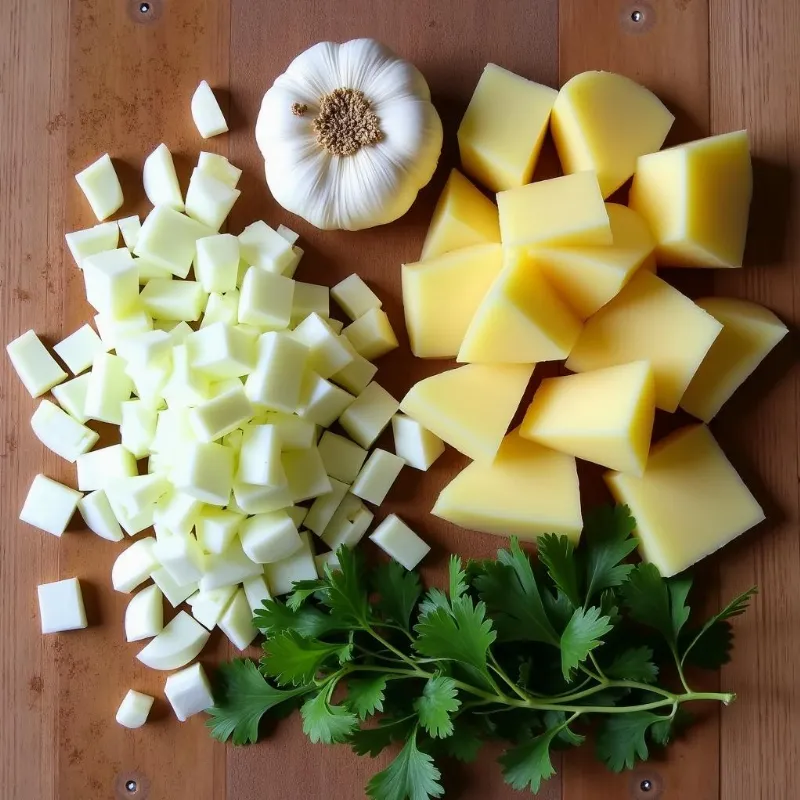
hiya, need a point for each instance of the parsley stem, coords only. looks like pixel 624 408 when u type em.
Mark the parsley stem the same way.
pixel 501 672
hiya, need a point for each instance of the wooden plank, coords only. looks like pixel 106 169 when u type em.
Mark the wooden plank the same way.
pixel 755 54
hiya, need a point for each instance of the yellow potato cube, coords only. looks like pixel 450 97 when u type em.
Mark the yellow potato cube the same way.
pixel 463 217
pixel 526 491
pixel 470 407
pixel 696 200
pixel 749 332
pixel 689 502
pixel 503 128
pixel 604 416
pixel 588 277
pixel 560 212
pixel 648 320
pixel 457 282
pixel 603 122
pixel 521 320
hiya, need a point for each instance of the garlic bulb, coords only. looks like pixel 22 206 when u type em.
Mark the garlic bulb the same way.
pixel 349 135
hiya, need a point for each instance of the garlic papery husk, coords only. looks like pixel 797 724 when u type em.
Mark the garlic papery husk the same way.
pixel 349 135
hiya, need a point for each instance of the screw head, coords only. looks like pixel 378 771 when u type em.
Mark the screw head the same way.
pixel 637 16
pixel 646 785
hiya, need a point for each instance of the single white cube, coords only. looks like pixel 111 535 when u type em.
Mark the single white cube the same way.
pixel 205 471
pixel 397 540
pixel 134 565
pixel 78 350
pixel 321 401
pixel 146 351
pixel 148 270
pixel 181 640
pixel 237 621
pixel 309 298
pixel 37 369
pixel 61 606
pixel 269 537
pixel 129 227
pixel 341 458
pixel 186 386
pixel 260 457
pixel 101 468
pixel 305 474
pixel 290 269
pixel 416 445
pixel 177 511
pixel 221 351
pixel 112 282
pixel 377 476
pixel 169 587
pixel 168 238
pixel 225 308
pixel 189 692
pixel 282 575
pixel 366 417
pixel 98 516
pixel 220 415
pixel 100 184
pixel 217 262
pixel 206 113
pixel 209 605
pixel 160 179
pixel 324 507
pixel 209 200
pixel 174 433
pixel 71 396
pixel 229 568
pixel 59 432
pixel 182 557
pixel 278 375
pixel 137 494
pixel 354 297
pixel 144 616
pixel 219 167
pixel 49 505
pixel 287 234
pixel 176 300
pixel 349 523
pixel 108 388
pixel 357 374
pixel 251 498
pixel 371 334
pixel 327 354
pixel 216 528
pixel 89 241
pixel 134 709
pixel 265 299
pixel 297 514
pixel 113 330
pixel 130 523
pixel 263 247
pixel 325 562
pixel 256 592
pixel 295 433
pixel 138 428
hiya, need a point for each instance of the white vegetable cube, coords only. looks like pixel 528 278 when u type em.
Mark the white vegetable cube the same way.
pixel 59 432
pixel 129 227
pixel 78 350
pixel 189 692
pixel 216 264
pixel 49 505
pixel 206 113
pixel 366 417
pixel 224 308
pixel 144 616
pixel 294 433
pixel 177 300
pixel 327 354
pixel 180 332
pixel 160 179
pixel 100 468
pixel 282 575
pixel 186 386
pixel 220 415
pixel 371 334
pixel 209 200
pixel 237 621
pixel 134 709
pixel 397 540
pixel 81 244
pixel 134 565
pixel 181 640
pixel 168 238
pixel 327 561
pixel 323 508
pixel 174 433
pixel 290 269
pixel 336 325
pixel 356 376
pixel 297 514
pixel 221 351
pixel 269 537
pixel 219 167
pixel 229 568
pixel 234 441
pixel 216 529
pixel 61 606
pixel 108 388
pixel 377 476
pixel 113 329
pixel 278 375
pixel 209 605
pixel 220 387
pixel 112 282
pixel 251 498
pixel 341 458
pixel 309 298
pixel 169 587
pixel 138 494
pixel 100 184
pixel 287 234
pixel 131 524
pixel 416 445
pixel 321 401
pixel 98 516
pixel 177 512
pixel 354 297
pixel 149 384
pixel 205 471
pixel 71 396
pixel 265 299
pixel 305 474
pixel 37 369
pixel 260 457
pixel 256 592
pixel 263 247
pixel 138 428
pixel 182 557
pixel 349 523
pixel 148 350
pixel 148 270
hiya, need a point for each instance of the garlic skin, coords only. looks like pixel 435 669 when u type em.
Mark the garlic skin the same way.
pixel 377 183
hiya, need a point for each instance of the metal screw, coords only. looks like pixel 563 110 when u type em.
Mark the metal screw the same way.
pixel 144 8
pixel 645 785
pixel 130 786
pixel 637 16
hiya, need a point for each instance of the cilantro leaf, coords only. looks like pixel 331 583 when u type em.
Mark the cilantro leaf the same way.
pixel 464 743
pixel 411 775
pixel 372 741
pixel 399 591
pixel 559 608
pixel 557 553
pixel 365 696
pixel 529 764
pixel 434 598
pixel 678 589
pixel 323 722
pixel 634 664
pixel 276 617
pixel 241 698
pixel 584 632
pixel 607 541
pixel 302 591
pixel 458 579
pixel 291 658
pixel 346 594
pixel 621 739
pixel 565 736
pixel 438 701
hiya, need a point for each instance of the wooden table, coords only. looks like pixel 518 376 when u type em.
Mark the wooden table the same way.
pixel 81 78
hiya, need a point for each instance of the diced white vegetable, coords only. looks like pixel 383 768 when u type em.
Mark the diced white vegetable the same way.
pixel 101 468
pixel 348 524
pixel 354 297
pixel 134 709
pixel 234 441
pixel 329 560
pixel 59 432
pixel 327 354
pixel 71 396
pixel 287 234
pixel 180 333
pixel 293 432
pixel 138 427
pixel 37 369
pixel 206 113
pixel 61 606
pixel 177 512
pixel 98 516
pixel 144 616
pixel 160 179
pixel 256 591
pixel 148 270
pixel 148 350
pixel 220 415
pixel 186 386
pixel 269 537
pixel 182 557
pixel 365 418
pixel 138 494
pixel 263 247
pixel 260 457
pixel 237 621
pixel 134 565
pixel 209 200
pixel 396 539
pixel 174 593
pixel 377 476
pixel 341 458
pixel 221 351
pixel 416 445
pixel 290 269
pixel 281 575
pixel 220 168
pixel 108 388
pixel 81 244
pixel 225 308
pixel 174 433
pixel 208 606
pixel 297 515
pixel 371 334
pixel 113 330
pixel 321 401
pixel 112 282
pixel 252 498
pixel 217 262
pixel 129 227
pixel 229 568
pixel 178 300
pixel 131 524
pixel 100 184
pixel 205 471
pixel 357 374
pixel 323 508
pixel 78 350
pixel 168 238
pixel 265 299
pixel 278 375
pixel 49 505
pixel 305 474
pixel 309 298
pixel 189 692
pixel 336 325
pixel 180 641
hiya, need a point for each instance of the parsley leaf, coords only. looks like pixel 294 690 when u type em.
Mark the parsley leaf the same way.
pixel 346 594
pixel 325 723
pixel 399 591
pixel 529 764
pixel 583 634
pixel 438 701
pixel 302 591
pixel 365 696
pixel 411 775
pixel 621 738
pixel 373 741
pixel 290 658
pixel 275 617
pixel 608 540
pixel 458 579
pixel 434 598
pixel 464 743
pixel 557 553
pixel 634 664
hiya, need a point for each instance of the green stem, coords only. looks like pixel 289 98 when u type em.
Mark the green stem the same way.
pixel 501 672
pixel 377 623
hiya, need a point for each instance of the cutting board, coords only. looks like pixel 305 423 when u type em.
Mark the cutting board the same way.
pixel 84 77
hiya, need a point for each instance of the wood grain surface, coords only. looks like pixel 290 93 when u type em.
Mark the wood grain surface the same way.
pixel 83 77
